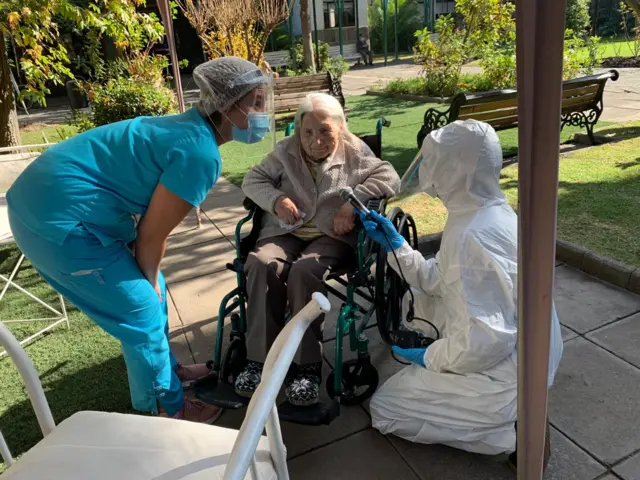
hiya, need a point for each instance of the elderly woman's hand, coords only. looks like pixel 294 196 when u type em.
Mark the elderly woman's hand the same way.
pixel 345 220
pixel 287 210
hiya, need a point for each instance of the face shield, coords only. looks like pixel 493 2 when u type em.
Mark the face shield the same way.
pixel 254 119
pixel 415 179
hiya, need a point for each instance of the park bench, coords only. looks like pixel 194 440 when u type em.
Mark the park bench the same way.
pixel 290 91
pixel 582 106
pixel 282 58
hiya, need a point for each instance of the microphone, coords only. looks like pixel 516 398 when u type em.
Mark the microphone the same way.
pixel 347 195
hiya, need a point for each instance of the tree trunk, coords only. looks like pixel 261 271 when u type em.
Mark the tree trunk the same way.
pixel 9 131
pixel 307 34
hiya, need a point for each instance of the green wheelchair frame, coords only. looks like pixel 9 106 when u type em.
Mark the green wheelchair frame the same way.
pixel 350 382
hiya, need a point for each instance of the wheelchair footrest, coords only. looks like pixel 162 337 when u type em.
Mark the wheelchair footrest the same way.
pixel 222 395
pixel 319 414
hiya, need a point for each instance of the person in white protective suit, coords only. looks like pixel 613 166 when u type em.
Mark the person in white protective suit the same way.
pixel 460 390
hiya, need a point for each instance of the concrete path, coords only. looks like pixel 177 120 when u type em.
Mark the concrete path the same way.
pixel 593 406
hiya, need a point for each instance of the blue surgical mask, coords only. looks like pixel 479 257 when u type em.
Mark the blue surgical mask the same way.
pixel 258 125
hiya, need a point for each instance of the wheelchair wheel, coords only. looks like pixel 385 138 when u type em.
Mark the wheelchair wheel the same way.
pixel 234 360
pixel 359 381
pixel 390 286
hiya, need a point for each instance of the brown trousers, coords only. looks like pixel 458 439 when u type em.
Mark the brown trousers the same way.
pixel 282 269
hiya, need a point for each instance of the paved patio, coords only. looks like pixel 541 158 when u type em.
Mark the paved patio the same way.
pixel 593 406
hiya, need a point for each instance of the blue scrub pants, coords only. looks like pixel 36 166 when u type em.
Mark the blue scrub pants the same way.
pixel 106 284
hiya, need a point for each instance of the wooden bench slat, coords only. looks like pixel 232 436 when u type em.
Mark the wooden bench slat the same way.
pixel 578 91
pixel 492 115
pixel 487 107
pixel 585 100
pixel 504 122
pixel 288 81
pixel 302 89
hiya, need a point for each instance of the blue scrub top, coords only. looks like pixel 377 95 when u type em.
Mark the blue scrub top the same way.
pixel 102 177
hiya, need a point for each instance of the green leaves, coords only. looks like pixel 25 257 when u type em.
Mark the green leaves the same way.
pixel 33 25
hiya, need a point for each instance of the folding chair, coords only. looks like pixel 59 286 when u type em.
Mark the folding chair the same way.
pixel 58 316
pixel 107 446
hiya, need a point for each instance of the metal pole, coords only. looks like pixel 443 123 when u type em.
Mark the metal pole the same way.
pixel 357 19
pixel 395 26
pixel 290 22
pixel 339 4
pixel 165 13
pixel 315 34
pixel 539 37
pixel 426 14
pixel 384 30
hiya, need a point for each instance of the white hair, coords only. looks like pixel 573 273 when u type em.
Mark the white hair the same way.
pixel 320 102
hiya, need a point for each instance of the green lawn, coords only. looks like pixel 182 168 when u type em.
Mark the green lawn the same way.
pixel 399 140
pixel 618 48
pixel 599 197
pixel 39 133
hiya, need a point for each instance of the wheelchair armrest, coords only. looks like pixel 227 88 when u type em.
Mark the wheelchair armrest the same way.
pixel 378 205
pixel 249 204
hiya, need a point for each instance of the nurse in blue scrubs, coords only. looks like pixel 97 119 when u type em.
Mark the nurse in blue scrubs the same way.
pixel 72 214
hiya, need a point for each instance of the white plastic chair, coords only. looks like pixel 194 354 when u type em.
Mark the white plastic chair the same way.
pixel 110 446
pixel 59 316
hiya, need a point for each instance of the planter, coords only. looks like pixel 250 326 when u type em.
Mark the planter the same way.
pixel 402 96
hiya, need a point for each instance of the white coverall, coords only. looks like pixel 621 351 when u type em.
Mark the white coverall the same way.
pixel 466 395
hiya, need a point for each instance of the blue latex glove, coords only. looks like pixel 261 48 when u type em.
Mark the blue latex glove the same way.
pixel 381 230
pixel 413 355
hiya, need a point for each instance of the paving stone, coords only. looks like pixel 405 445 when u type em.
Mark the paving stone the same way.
pixel 568 462
pixel 174 317
pixel 189 223
pixel 224 187
pixel 197 260
pixel 365 455
pixel 192 235
pixel 629 469
pixel 594 396
pixel 567 333
pixel 610 476
pixel 180 346
pixel 198 299
pixel 300 439
pixel 621 338
pixel 585 303
pixel 226 219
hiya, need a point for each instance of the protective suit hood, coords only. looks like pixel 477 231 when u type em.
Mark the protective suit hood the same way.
pixel 461 163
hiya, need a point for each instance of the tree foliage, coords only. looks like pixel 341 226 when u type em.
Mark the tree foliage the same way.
pixel 238 28
pixel 578 19
pixel 35 27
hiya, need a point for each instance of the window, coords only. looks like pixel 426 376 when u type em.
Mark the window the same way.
pixel 331 13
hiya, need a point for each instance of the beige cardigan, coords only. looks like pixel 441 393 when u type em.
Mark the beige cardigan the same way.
pixel 284 172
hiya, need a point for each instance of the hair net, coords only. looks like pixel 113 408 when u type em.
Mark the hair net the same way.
pixel 226 80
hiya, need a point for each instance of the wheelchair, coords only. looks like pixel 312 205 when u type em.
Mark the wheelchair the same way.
pixel 369 277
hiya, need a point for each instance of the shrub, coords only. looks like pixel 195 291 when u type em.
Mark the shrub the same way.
pixel 338 66
pixel 410 18
pixel 467 82
pixel 442 58
pixel 296 57
pixel 125 98
pixel 578 18
pixel 576 62
pixel 499 67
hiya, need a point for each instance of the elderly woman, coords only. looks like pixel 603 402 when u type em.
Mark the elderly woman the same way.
pixel 307 230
